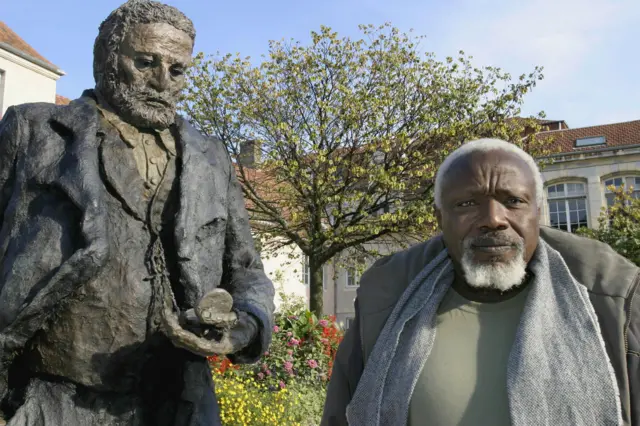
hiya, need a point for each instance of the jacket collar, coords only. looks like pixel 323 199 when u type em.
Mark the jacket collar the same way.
pixel 199 181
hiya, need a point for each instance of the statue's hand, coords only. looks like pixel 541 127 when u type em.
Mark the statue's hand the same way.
pixel 212 328
pixel 234 339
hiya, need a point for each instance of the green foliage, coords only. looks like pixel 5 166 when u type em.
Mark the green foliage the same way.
pixel 350 134
pixel 619 225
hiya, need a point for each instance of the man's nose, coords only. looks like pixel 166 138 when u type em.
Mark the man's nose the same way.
pixel 161 79
pixel 494 216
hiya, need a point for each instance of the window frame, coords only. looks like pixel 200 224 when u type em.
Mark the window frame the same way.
pixel 624 178
pixel 588 141
pixel 348 321
pixel 355 278
pixel 306 271
pixel 566 197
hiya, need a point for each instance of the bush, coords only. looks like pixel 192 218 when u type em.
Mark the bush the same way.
pixel 287 386
pixel 619 225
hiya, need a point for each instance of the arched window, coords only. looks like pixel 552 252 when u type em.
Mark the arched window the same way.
pixel 567 205
pixel 628 181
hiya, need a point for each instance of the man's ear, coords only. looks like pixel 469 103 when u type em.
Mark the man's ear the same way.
pixel 439 218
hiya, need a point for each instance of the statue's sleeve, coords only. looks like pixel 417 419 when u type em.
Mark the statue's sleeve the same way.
pixel 244 276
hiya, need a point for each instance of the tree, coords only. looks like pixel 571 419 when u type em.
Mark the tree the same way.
pixel 349 135
pixel 619 225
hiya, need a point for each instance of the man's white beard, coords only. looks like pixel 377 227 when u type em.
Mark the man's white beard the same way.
pixel 496 275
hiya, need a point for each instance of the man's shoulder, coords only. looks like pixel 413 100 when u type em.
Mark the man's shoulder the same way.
pixel 211 146
pixel 593 263
pixel 34 111
pixel 43 112
pixel 384 282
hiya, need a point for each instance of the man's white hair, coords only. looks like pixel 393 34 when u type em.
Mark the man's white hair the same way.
pixel 485 145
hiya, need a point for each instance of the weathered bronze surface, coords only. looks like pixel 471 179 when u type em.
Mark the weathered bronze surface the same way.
pixel 126 255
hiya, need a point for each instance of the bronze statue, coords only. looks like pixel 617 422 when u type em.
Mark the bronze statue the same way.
pixel 126 255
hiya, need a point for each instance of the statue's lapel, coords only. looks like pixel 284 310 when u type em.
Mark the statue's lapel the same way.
pixel 78 171
pixel 203 186
pixel 79 174
pixel 121 173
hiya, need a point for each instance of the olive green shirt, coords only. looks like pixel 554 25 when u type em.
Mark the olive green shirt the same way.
pixel 464 380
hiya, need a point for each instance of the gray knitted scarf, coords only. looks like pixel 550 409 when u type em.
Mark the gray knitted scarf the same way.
pixel 558 372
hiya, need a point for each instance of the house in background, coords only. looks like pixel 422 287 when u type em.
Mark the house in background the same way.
pixel 25 75
pixel 288 268
pixel 590 160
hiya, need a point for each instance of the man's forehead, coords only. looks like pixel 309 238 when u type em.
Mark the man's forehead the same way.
pixel 158 38
pixel 475 167
pixel 482 161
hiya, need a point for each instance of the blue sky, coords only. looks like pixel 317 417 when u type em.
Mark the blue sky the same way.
pixel 589 48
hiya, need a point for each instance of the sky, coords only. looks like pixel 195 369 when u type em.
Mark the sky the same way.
pixel 589 48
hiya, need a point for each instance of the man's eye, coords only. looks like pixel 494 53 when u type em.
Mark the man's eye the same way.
pixel 144 62
pixel 177 71
pixel 466 203
pixel 514 201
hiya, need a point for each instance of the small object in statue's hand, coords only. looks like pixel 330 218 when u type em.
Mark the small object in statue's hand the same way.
pixel 215 309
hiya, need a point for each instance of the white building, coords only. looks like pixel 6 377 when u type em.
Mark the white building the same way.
pixel 25 76
pixel 591 159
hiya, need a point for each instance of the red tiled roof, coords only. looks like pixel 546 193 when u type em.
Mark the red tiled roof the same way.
pixel 61 100
pixel 616 135
pixel 14 40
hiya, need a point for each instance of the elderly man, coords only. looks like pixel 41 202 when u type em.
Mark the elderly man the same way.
pixel 496 321
pixel 126 255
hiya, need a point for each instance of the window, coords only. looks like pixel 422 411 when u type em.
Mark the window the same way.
pixel 627 181
pixel 353 277
pixel 567 206
pixel 595 140
pixel 306 271
pixel 324 281
pixel 348 322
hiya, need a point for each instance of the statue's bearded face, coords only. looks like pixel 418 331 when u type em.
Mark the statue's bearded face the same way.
pixel 150 71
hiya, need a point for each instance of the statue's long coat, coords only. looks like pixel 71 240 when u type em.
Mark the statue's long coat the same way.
pixel 49 159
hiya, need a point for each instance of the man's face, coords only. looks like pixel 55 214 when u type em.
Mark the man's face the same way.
pixel 489 218
pixel 151 65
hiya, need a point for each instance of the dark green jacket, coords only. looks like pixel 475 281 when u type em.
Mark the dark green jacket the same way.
pixel 612 282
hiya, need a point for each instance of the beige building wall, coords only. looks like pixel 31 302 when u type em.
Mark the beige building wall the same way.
pixel 22 81
pixel 286 268
pixel 339 296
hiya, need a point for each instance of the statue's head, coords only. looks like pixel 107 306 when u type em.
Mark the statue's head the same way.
pixel 140 56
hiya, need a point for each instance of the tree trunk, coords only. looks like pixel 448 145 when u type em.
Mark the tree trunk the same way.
pixel 316 292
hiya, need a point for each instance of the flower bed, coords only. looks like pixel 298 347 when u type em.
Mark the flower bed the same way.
pixel 287 386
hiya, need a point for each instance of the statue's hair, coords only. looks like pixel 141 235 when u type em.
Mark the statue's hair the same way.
pixel 486 145
pixel 114 29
